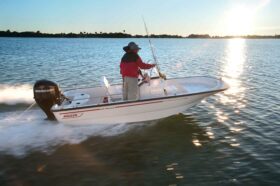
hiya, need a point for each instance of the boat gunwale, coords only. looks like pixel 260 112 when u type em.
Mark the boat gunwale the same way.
pixel 139 101
pixel 157 77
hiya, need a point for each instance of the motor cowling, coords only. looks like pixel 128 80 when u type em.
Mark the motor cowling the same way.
pixel 47 94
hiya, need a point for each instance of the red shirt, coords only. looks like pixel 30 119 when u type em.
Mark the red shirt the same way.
pixel 131 63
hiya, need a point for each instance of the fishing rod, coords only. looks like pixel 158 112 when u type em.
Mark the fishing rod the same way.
pixel 161 75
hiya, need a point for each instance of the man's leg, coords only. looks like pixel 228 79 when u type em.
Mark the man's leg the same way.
pixel 125 88
pixel 132 88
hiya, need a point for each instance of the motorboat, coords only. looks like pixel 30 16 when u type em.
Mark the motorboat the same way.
pixel 157 99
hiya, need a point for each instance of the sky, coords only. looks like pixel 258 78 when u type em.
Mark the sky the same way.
pixel 180 17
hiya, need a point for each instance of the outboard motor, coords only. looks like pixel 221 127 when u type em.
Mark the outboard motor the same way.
pixel 47 94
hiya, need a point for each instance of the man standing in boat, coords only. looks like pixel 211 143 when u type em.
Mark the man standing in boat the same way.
pixel 130 65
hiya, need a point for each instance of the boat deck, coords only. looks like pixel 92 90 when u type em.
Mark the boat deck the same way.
pixel 157 88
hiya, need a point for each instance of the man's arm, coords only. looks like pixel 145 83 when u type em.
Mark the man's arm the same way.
pixel 142 65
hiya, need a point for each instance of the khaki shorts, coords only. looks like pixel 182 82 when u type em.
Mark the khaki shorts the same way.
pixel 130 88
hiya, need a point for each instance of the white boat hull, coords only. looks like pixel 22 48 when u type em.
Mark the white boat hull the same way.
pixel 133 111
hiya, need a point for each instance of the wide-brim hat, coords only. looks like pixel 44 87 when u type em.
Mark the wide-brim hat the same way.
pixel 131 46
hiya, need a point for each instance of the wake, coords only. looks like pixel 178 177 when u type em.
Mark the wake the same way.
pixel 30 132
pixel 16 94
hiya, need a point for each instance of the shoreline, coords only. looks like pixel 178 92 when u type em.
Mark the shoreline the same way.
pixel 212 38
pixel 119 35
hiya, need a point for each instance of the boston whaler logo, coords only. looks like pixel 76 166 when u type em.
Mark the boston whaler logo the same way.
pixel 72 115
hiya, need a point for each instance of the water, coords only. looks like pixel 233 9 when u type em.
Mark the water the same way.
pixel 231 138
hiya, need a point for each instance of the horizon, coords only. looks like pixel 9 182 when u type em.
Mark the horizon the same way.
pixel 133 35
pixel 219 18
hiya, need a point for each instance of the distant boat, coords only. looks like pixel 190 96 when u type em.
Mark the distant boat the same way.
pixel 105 105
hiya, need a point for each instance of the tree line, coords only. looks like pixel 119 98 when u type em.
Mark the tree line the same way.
pixel 38 34
pixel 8 33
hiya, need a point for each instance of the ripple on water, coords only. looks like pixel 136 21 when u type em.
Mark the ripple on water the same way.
pixel 231 138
